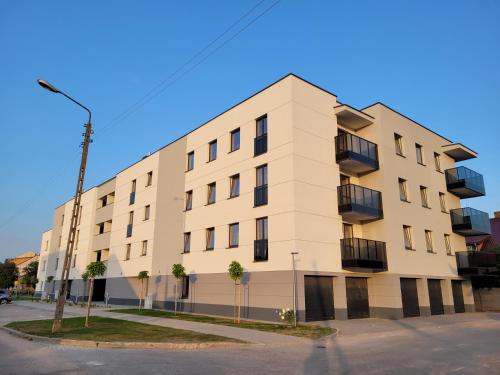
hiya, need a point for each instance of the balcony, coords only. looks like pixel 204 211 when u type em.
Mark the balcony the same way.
pixel 358 204
pixel 260 145
pixel 260 195
pixel 260 250
pixel 464 182
pixel 471 263
pixel 132 198
pixel 356 155
pixel 470 222
pixel 360 255
pixel 129 230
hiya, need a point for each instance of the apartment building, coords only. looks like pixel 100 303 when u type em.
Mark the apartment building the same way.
pixel 368 198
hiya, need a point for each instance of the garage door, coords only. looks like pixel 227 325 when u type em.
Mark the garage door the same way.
pixel 435 296
pixel 409 295
pixel 319 297
pixel 357 297
pixel 458 296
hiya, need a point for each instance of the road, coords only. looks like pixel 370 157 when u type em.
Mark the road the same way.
pixel 459 344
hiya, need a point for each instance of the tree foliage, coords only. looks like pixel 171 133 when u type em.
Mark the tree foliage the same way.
pixel 235 271
pixel 178 271
pixel 143 275
pixel 96 269
pixel 29 276
pixel 8 274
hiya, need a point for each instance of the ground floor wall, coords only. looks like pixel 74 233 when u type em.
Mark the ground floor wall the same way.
pixel 487 299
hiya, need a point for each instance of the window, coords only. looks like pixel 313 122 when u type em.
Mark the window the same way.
pixel 77 239
pixel 442 201
pixel 407 237
pixel 211 189
pixel 428 241
pixel 47 243
pixel 44 264
pixel 261 126
pixel 261 228
pixel 190 161
pixel 128 247
pixel 210 238
pixel 144 249
pixel 187 242
pixel 420 154
pixel 344 180
pixel 134 185
pixel 100 228
pixel 132 193
pixel 403 193
pixel 60 242
pixel 260 191
pixel 398 143
pixel 447 244
pixel 212 151
pixel 423 197
pixel 103 201
pixel 147 210
pixel 260 141
pixel 234 234
pixel 62 219
pixel 185 287
pixel 348 230
pixel 262 175
pixel 80 215
pixel 235 140
pixel 437 162
pixel 131 217
pixel 74 261
pixel 149 179
pixel 189 200
pixel 57 263
pixel 234 186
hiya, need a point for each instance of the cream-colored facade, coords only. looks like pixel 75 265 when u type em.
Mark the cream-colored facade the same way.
pixel 146 221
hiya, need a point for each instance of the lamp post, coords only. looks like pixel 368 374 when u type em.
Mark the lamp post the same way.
pixel 63 287
pixel 294 289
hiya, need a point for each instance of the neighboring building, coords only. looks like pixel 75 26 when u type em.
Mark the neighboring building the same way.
pixel 22 261
pixel 369 199
pixel 488 241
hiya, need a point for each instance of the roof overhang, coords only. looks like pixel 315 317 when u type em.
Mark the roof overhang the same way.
pixel 459 152
pixel 352 118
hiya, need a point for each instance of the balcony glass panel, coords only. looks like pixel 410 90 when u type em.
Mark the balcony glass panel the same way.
pixel 260 144
pixel 260 250
pixel 359 204
pixel 363 255
pixel 356 155
pixel 260 195
pixel 470 222
pixel 464 182
pixel 476 263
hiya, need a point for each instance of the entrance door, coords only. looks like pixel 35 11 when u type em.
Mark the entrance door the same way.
pixel 435 296
pixel 99 290
pixel 357 297
pixel 458 296
pixel 409 295
pixel 68 291
pixel 319 297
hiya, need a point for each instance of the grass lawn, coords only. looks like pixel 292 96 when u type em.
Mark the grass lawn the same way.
pixel 310 331
pixel 24 297
pixel 107 329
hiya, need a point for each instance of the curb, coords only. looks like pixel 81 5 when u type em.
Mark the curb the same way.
pixel 121 344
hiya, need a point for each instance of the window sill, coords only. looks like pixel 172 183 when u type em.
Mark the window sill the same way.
pixel 188 170
pixel 212 249
pixel 404 200
pixel 231 151
pixel 431 252
pixel 450 255
pixel 187 210
pixel 259 154
pixel 209 161
pixel 209 204
pixel 445 212
pixel 440 171
pixel 236 196
pixel 410 249
pixel 260 205
pixel 422 164
pixel 185 252
pixel 428 207
pixel 398 154
pixel 260 261
pixel 233 247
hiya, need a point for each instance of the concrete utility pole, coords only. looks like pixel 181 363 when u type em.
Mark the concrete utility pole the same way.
pixel 63 287
pixel 294 289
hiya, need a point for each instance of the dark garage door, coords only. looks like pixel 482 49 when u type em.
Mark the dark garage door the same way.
pixel 458 296
pixel 357 297
pixel 435 296
pixel 319 297
pixel 99 290
pixel 409 295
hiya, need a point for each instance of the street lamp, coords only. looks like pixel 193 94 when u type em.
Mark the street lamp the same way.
pixel 294 289
pixel 63 287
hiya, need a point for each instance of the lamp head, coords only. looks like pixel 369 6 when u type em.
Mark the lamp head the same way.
pixel 47 86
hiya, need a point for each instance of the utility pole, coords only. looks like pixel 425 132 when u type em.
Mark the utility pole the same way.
pixel 63 287
pixel 294 289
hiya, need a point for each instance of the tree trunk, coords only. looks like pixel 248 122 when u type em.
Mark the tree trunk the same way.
pixel 140 295
pixel 91 290
pixel 234 303
pixel 239 302
pixel 175 297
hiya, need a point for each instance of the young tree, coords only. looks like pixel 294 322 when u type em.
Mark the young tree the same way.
pixel 235 272
pixel 28 277
pixel 142 276
pixel 8 274
pixel 179 272
pixel 94 270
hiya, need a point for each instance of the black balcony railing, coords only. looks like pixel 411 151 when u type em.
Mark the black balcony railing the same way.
pixel 260 195
pixel 363 255
pixel 260 144
pixel 470 222
pixel 471 263
pixel 464 182
pixel 356 155
pixel 260 250
pixel 131 198
pixel 359 204
pixel 129 230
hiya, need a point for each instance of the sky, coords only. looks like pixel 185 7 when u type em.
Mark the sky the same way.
pixel 437 62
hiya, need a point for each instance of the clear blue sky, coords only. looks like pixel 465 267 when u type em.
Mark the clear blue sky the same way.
pixel 438 62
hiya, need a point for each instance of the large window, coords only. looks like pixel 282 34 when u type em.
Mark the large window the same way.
pixel 423 196
pixel 261 228
pixel 261 126
pixel 261 175
pixel 149 179
pixel 398 143
pixel 420 154
pixel 407 237
pixel 403 192
pixel 147 211
pixel 74 261
pixel 128 247
pixel 210 238
pixel 428 241
pixel 447 244
pixel 212 150
pixel 144 249
pixel 57 263
pixel 187 242
pixel 234 186
pixel 185 287
pixel 348 230
pixel 437 162
pixel 235 140
pixel 260 141
pixel 211 193
pixel 442 202
pixel 132 192
pixel 189 200
pixel 234 234
pixel 190 161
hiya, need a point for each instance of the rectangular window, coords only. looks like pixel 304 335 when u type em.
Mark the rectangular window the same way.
pixel 190 161
pixel 47 244
pixel 403 193
pixel 80 215
pixel 57 263
pixel 185 287
pixel 428 241
pixel 437 162
pixel 74 261
pixel 210 238
pixel 100 228
pixel 212 150
pixel 261 228
pixel 235 140
pixel 447 244
pixel 147 211
pixel 103 201
pixel 132 193
pixel 133 187
pixel 131 217
pixel 347 230
pixel 62 219
pixel 442 202
pixel 423 196
pixel 60 242
pixel 234 235
pixel 149 179
pixel 189 200
pixel 344 180
pixel 398 143
pixel 420 154
pixel 211 193
pixel 44 264
pixel 407 237
pixel 234 186
pixel 187 242
pixel 261 126
pixel 144 249
pixel 128 247
pixel 261 175
pixel 77 239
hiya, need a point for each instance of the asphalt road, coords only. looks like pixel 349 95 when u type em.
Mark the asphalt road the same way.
pixel 465 344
